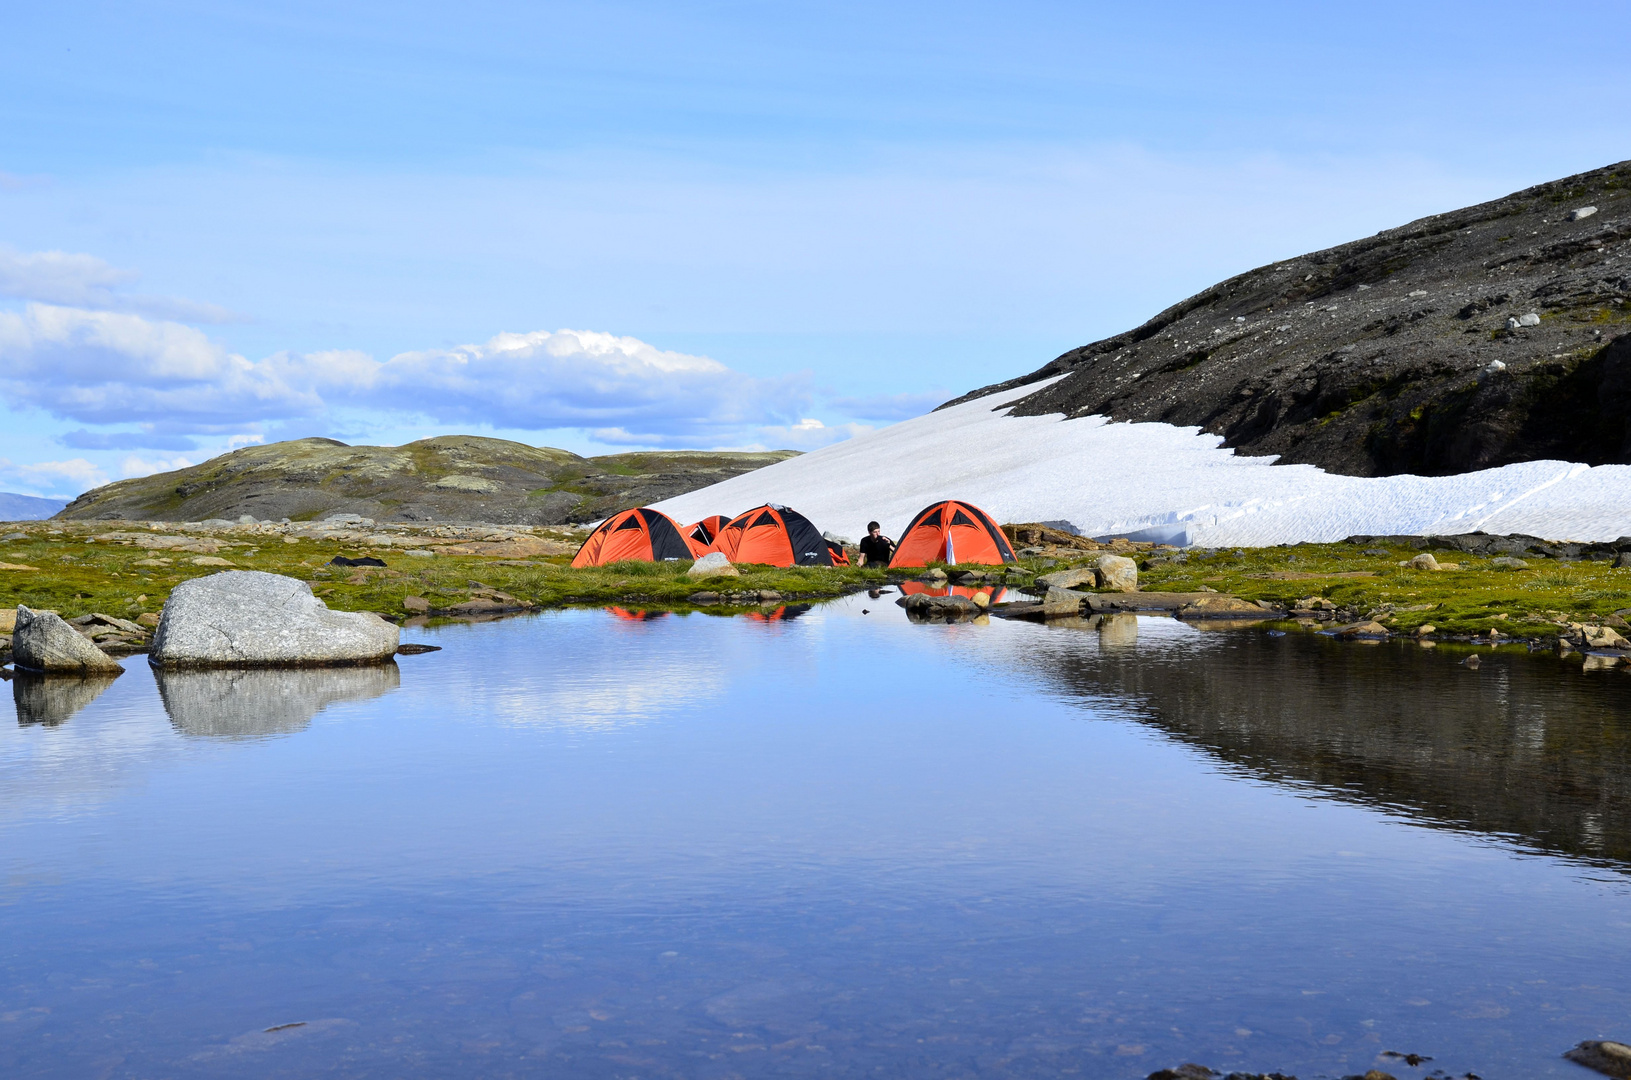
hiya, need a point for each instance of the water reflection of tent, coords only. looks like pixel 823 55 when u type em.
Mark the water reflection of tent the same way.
pixel 636 615
pixel 785 613
pixel 995 592
pixel 704 532
pixel 773 535
pixel 952 532
pixel 641 534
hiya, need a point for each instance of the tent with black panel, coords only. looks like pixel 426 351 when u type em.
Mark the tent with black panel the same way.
pixel 641 534
pixel 775 536
pixel 704 531
pixel 952 532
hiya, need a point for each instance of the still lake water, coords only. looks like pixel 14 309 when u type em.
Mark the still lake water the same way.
pixel 592 845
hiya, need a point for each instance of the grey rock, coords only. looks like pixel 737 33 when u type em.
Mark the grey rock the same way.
pixel 1622 561
pixel 54 699
pixel 248 703
pixel 1117 572
pixel 713 564
pixel 43 642
pixel 246 618
pixel 1604 1056
pixel 921 606
pixel 1582 213
pixel 1058 603
pixel 1531 319
pixel 1069 579
pixel 703 598
pixel 1507 562
pixel 1424 561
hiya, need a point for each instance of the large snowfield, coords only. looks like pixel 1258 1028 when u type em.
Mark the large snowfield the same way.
pixel 1153 482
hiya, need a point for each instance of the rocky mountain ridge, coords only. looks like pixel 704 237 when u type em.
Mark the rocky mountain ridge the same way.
pixel 452 478
pixel 1494 334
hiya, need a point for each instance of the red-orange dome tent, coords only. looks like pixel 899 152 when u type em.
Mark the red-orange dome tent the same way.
pixel 642 533
pixel 952 532
pixel 705 531
pixel 773 535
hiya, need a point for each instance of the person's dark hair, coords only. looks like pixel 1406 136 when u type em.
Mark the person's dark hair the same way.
pixel 872 525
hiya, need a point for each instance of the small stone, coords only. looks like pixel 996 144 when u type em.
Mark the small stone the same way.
pixel 703 598
pixel 1069 579
pixel 1580 215
pixel 1376 551
pixel 1507 562
pixel 1472 662
pixel 1117 572
pixel 1424 629
pixel 1530 319
pixel 713 564
pixel 1602 637
pixel 246 519
pixel 417 604
pixel 210 560
pixel 148 619
pixel 1424 561
pixel 982 599
pixel 934 573
pixel 1060 603
pixel 769 596
pixel 420 553
pixel 1367 629
pixel 1606 1057
pixel 44 642
pixel 1512 322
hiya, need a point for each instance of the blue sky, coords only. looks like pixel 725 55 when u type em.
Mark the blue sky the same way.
pixel 764 224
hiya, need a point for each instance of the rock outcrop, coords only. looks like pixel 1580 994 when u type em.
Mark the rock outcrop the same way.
pixel 44 642
pixel 1481 337
pixel 451 478
pixel 246 618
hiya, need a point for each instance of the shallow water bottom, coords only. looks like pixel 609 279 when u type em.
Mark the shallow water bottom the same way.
pixel 599 844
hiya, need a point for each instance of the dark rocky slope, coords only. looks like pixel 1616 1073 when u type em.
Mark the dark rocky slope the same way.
pixel 451 478
pixel 1397 353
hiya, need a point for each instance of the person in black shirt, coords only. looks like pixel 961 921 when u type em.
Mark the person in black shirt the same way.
pixel 876 548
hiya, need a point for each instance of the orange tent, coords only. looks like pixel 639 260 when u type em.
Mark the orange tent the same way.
pixel 775 536
pixel 952 532
pixel 704 531
pixel 642 533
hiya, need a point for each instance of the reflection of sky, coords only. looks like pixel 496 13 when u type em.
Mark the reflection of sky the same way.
pixel 756 820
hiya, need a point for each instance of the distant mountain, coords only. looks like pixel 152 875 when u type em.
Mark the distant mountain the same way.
pixel 1487 336
pixel 28 507
pixel 451 478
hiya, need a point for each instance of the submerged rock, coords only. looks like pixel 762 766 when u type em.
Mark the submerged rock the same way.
pixel 246 618
pixel 44 642
pixel 1608 1058
pixel 923 607
pixel 1060 603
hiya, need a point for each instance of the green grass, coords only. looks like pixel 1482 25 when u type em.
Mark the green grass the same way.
pixel 75 577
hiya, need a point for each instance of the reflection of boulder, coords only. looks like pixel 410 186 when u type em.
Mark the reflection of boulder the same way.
pixel 246 702
pixel 53 699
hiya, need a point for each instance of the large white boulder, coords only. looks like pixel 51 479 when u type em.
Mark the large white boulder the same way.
pixel 246 618
pixel 44 642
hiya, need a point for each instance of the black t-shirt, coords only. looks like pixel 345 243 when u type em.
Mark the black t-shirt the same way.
pixel 877 549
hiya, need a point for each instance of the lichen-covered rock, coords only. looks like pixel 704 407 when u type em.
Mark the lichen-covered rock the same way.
pixel 1117 572
pixel 44 642
pixel 1069 579
pixel 246 618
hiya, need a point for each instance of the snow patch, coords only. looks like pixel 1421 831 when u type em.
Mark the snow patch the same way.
pixel 1153 481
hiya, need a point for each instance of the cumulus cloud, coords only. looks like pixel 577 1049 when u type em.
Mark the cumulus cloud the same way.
pixel 135 466
pixel 565 379
pixel 52 477
pixel 61 277
pixel 102 367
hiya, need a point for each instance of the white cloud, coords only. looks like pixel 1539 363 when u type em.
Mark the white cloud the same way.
pixel 808 434
pixel 61 277
pixel 103 367
pixel 52 477
pixel 135 466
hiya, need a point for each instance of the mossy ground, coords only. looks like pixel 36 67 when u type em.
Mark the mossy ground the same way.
pixel 74 577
